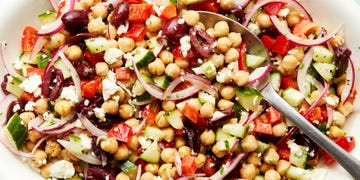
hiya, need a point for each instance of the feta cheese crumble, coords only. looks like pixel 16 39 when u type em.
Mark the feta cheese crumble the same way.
pixel 113 55
pixel 62 169
pixel 69 93
pixel 31 84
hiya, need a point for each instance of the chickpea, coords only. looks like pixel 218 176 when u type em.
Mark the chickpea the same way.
pixel 132 122
pixel 99 10
pixel 340 87
pixel 134 143
pixel 338 119
pixel 56 41
pixel 44 170
pixel 336 132
pixel 172 70
pixel 232 55
pixel 226 4
pixel 224 104
pixel 168 105
pixel 168 155
pixel 39 158
pixel 191 17
pixel 279 129
pixel 63 107
pixel 153 23
pixel 221 29
pixel 218 152
pixel 184 150
pixel 86 4
pixel 227 92
pixel 29 145
pixel 298 52
pixel 337 40
pixel 265 167
pixel 96 26
pixel 179 142
pixel 282 166
pixel 248 171
pixel 101 69
pixel 293 18
pixel 249 143
pixel 224 76
pixel 122 152
pixel 253 158
pixel 263 20
pixel 52 148
pixel 122 176
pixel 217 60
pixel 73 53
pixel 223 44
pixel 272 175
pixel 289 63
pixel 207 110
pixel 152 168
pixel 241 78
pixel 142 43
pixel 332 100
pixel 169 134
pixel 41 105
pixel 160 120
pixel 201 25
pixel 34 136
pixel 66 155
pixel 165 170
pixel 235 39
pixel 126 111
pixel 126 44
pixel 345 108
pixel 109 145
pixel 166 57
pixel 211 32
pixel 110 107
pixel 156 67
pixel 207 137
pixel 182 62
pixel 271 156
pixel 147 176
pixel 315 95
pixel 27 116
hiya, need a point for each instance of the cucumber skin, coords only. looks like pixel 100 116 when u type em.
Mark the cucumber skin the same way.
pixel 17 130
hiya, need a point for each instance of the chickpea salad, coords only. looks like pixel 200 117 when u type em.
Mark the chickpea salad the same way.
pixel 141 89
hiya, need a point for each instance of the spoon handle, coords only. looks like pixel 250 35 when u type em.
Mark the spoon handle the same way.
pixel 345 159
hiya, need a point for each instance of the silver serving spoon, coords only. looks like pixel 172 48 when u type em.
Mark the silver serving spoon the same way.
pixel 256 47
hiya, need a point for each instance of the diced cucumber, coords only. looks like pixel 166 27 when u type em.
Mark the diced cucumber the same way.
pixel 75 144
pixel 25 57
pixel 143 57
pixel 322 54
pixel 238 109
pixel 17 130
pixel 275 79
pixel 292 96
pixel 47 17
pixel 253 61
pixel 145 96
pixel 43 59
pixel 137 88
pixel 237 130
pixel 312 72
pixel 226 144
pixel 152 153
pixel 221 135
pixel 175 119
pixel 188 2
pixel 249 98
pixel 162 81
pixel 262 147
pixel 64 69
pixel 75 177
pixel 206 98
pixel 305 174
pixel 208 69
pixel 96 45
pixel 298 154
pixel 127 166
pixel 13 87
pixel 326 70
pixel 259 177
pixel 193 101
pixel 154 133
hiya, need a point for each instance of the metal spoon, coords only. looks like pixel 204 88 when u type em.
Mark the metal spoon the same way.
pixel 256 47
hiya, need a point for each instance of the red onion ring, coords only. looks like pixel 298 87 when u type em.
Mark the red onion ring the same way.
pixel 65 129
pixel 178 163
pixel 38 46
pixel 259 74
pixel 303 84
pixel 7 64
pixel 227 168
pixel 54 4
pixel 254 115
pixel 38 143
pixel 233 147
pixel 323 93
pixel 330 112
pixel 349 83
pixel 91 127
pixel 5 142
pixel 138 174
pixel 88 157
pixel 4 104
pixel 241 3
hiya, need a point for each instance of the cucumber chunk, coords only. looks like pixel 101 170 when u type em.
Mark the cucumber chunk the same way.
pixel 193 101
pixel 64 69
pixel 96 45
pixel 249 98
pixel 326 70
pixel 292 96
pixel 154 133
pixel 47 17
pixel 253 61
pixel 175 119
pixel 143 57
pixel 221 135
pixel 322 54
pixel 162 81
pixel 237 130
pixel 298 154
pixel 152 153
pixel 262 147
pixel 17 130
pixel 275 79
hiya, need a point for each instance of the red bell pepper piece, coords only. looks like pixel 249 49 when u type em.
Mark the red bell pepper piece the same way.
pixel 149 112
pixel 25 96
pixel 136 32
pixel 282 45
pixel 315 114
pixel 273 8
pixel 190 112
pixel 94 58
pixel 284 153
pixel 208 5
pixel 138 13
pixel 90 88
pixel 261 127
pixel 210 166
pixel 29 38
pixel 288 81
pixel 123 74
pixel 273 116
pixel 31 71
pixel 268 41
pixel 176 51
pixel 121 132
pixel 241 60
pixel 346 142
pixel 134 1
pixel 168 12
pixel 188 165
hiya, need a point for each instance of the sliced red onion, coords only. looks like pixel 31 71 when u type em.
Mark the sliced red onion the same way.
pixel 45 127
pixel 38 46
pixel 292 3
pixel 258 74
pixel 227 168
pixel 138 174
pixel 114 3
pixel 88 157
pixel 288 136
pixel 156 7
pixel 4 104
pixel 254 115
pixel 91 127
pixel 141 103
pixel 178 95
pixel 158 48
pixel 34 123
pixel 298 40
pixel 5 141
pixel 330 112
pixel 350 81
pixel 65 129
pixel 315 82
pixel 303 84
pixel 6 63
pixel 54 4
pixel 323 93
pixel 241 3
pixel 220 117
pixel 178 163
pixel 109 27
pixel 38 143
pixel 139 128
pixel 232 149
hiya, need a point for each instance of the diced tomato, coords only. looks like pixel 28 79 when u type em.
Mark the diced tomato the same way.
pixel 182 86
pixel 90 88
pixel 121 132
pixel 284 153
pixel 149 112
pixel 94 58
pixel 179 132
pixel 273 8
pixel 123 74
pixel 141 162
pixel 138 13
pixel 273 116
pixel 268 41
pixel 60 8
pixel 168 12
pixel 31 71
pixel 134 1
pixel 25 96
pixel 324 113
pixel 210 166
pixel 317 114
pixel 288 81
pixel 29 38
pixel 304 28
pixel 282 45
pixel 190 112
pixel 188 165
pixel 261 127
pixel 164 144
pixel 136 32
pixel 201 122
pixel 241 60
pixel 176 51
pixel 208 5
pixel 346 142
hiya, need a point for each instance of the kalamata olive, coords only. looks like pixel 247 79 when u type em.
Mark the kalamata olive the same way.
pixel 202 41
pixel 85 70
pixel 75 20
pixel 52 82
pixel 120 14
pixel 239 13
pixel 4 83
pixel 341 60
pixel 74 39
pixel 174 29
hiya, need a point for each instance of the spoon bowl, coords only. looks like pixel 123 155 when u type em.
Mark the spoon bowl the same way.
pixel 256 47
